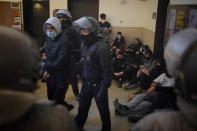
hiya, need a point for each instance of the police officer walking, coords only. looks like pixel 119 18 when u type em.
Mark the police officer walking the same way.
pixel 74 36
pixel 97 73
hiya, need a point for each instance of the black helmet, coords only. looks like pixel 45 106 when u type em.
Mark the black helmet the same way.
pixel 20 62
pixel 181 54
pixel 64 13
pixel 88 23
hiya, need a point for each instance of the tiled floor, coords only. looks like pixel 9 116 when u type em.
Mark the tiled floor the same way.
pixel 93 122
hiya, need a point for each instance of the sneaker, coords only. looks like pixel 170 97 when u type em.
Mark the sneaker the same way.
pixel 131 86
pixel 125 84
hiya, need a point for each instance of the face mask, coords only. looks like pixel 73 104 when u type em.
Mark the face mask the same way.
pixel 51 35
pixel 119 37
pixel 88 39
pixel 65 24
pixel 103 21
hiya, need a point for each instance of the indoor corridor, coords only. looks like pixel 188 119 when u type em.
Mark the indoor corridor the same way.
pixel 93 123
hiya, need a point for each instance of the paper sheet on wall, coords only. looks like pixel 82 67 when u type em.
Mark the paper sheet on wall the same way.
pixel 193 18
pixel 172 19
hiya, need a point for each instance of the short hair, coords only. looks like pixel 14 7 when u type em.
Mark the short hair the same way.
pixel 138 39
pixel 146 47
pixel 103 16
pixel 120 33
pixel 148 52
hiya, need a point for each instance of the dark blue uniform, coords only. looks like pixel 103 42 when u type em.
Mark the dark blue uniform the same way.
pixel 97 76
pixel 74 38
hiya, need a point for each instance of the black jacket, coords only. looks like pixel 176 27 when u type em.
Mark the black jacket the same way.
pixel 97 63
pixel 57 52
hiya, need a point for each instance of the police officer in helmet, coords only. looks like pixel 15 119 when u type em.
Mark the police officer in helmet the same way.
pixel 180 55
pixel 97 73
pixel 74 36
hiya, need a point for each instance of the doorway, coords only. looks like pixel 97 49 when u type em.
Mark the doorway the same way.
pixel 35 13
pixel 80 8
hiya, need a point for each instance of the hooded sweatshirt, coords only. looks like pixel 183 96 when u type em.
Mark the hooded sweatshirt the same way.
pixel 57 50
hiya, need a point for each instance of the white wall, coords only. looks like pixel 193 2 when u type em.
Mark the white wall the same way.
pixel 131 14
pixel 149 22
pixel 57 4
pixel 179 2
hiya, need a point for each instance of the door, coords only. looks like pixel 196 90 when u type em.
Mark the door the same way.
pixel 80 8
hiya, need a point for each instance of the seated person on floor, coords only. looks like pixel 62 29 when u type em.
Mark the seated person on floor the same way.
pixel 148 63
pixel 134 69
pixel 180 54
pixel 160 95
pixel 142 50
pixel 119 64
pixel 147 76
pixel 135 46
pixel 113 52
pixel 119 41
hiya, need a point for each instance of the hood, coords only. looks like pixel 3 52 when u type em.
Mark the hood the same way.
pixel 65 12
pixel 15 104
pixel 189 110
pixel 55 22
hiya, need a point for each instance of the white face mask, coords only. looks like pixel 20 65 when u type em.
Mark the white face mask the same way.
pixel 103 21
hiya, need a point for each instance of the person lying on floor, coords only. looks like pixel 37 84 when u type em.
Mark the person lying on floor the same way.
pixel 159 95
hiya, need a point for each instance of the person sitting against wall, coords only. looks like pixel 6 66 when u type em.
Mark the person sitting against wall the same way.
pixel 119 41
pixel 119 64
pixel 180 54
pixel 135 45
pixel 160 95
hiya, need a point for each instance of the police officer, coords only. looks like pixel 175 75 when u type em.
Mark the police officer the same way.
pixel 97 73
pixel 74 37
pixel 180 55
pixel 57 61
pixel 21 109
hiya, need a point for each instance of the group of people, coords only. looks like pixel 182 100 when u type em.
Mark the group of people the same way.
pixel 69 48
pixel 70 44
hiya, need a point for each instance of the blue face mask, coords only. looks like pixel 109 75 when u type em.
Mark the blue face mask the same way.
pixel 52 35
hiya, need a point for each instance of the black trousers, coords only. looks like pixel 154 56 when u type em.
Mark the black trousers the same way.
pixel 88 91
pixel 145 81
pixel 74 77
pixel 56 87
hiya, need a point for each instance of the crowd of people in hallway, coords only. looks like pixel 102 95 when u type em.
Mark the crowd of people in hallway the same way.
pixel 81 50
